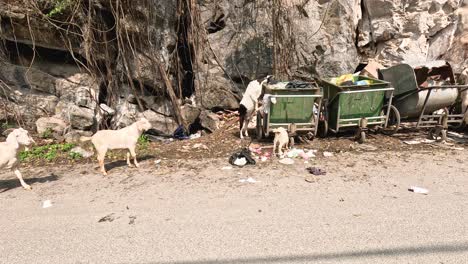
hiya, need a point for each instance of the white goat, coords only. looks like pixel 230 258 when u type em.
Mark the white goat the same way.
pixel 249 104
pixel 125 138
pixel 9 151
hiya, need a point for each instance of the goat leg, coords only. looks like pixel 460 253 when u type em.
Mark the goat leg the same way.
pixel 20 177
pixel 132 151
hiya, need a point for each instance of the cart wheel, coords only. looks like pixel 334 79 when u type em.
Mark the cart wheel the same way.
pixel 260 134
pixel 362 137
pixel 322 128
pixel 393 121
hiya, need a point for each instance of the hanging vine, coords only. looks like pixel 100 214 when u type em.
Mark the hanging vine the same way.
pixel 98 37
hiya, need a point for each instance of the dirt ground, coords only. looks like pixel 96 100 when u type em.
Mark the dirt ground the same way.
pixel 194 207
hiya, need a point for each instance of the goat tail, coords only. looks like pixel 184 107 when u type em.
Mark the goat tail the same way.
pixel 84 139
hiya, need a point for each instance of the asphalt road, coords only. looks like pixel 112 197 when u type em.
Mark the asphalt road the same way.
pixel 360 212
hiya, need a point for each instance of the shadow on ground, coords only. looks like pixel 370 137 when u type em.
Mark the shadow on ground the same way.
pixel 123 163
pixel 341 256
pixel 6 185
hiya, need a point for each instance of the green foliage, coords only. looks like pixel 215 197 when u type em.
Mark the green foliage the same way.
pixel 47 152
pixel 59 7
pixel 143 141
pixel 47 133
pixel 7 125
pixel 75 156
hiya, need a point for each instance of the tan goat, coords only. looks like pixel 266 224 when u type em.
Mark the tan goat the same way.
pixel 125 138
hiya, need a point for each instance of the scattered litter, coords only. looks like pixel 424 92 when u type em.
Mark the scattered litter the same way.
pixel 200 145
pixel 294 153
pixel 242 154
pixel 248 180
pixel 418 190
pixel 316 171
pixel 240 162
pixel 196 135
pixel 132 220
pixel 107 218
pixel 226 168
pixel 310 179
pixel 180 133
pixel 157 162
pixel 47 204
pixel 264 158
pixel 457 148
pixel 457 135
pixel 312 153
pixel 255 146
pixel 287 161
pixel 367 147
pixel 412 142
pixel 327 154
pixel 418 141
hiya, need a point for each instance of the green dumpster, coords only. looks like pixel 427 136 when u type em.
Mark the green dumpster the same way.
pixel 283 107
pixel 359 106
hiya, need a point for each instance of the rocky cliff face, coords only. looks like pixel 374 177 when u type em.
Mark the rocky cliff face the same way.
pixel 97 65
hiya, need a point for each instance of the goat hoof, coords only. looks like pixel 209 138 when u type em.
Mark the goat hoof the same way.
pixel 27 187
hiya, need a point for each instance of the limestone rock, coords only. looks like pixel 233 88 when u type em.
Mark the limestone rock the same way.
pixel 209 120
pixel 53 123
pixel 159 122
pixel 190 113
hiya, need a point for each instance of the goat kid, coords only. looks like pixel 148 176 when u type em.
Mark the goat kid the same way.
pixel 125 138
pixel 249 104
pixel 281 140
pixel 9 151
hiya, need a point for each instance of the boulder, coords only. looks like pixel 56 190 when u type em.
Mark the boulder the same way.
pixel 106 110
pixel 54 124
pixel 210 120
pixel 81 118
pixel 85 97
pixel 159 122
pixel 75 135
pixel 125 114
pixel 190 113
pixel 216 92
pixel 158 104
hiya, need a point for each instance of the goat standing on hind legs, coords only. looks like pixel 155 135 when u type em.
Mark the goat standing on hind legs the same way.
pixel 9 151
pixel 125 138
pixel 249 104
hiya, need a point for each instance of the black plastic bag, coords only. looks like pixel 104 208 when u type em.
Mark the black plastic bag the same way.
pixel 243 153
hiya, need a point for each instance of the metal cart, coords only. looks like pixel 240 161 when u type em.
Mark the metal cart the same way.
pixel 357 106
pixel 421 90
pixel 294 106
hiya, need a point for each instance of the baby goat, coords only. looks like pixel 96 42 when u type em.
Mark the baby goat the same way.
pixel 9 151
pixel 125 138
pixel 249 103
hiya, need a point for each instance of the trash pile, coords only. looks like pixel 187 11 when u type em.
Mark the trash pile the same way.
pixel 292 85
